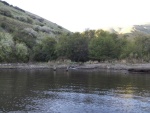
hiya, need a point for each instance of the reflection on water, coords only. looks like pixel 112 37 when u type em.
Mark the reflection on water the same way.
pixel 75 91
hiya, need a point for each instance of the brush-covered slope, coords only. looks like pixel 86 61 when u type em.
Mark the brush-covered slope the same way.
pixel 26 37
pixel 14 19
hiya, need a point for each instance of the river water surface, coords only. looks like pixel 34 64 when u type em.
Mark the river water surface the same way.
pixel 76 91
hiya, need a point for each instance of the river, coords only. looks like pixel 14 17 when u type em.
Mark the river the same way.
pixel 75 91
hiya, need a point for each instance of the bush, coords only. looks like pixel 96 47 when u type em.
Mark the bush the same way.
pixel 43 29
pixel 6 13
pixel 25 37
pixel 31 32
pixel 19 9
pixel 7 27
pixel 29 20
pixel 40 20
pixel 3 25
pixel 6 47
pixel 59 27
pixel 21 52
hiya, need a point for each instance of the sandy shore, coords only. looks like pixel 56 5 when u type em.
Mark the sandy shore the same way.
pixel 75 66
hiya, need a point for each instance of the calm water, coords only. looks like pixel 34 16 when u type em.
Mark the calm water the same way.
pixel 45 91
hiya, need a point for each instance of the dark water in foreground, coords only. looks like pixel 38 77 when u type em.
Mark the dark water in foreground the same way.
pixel 45 91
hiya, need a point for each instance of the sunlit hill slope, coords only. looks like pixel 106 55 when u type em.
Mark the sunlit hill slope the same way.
pixel 14 19
pixel 142 29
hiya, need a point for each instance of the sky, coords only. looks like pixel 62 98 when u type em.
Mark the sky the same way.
pixel 78 15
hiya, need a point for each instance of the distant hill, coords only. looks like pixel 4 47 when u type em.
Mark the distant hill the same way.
pixel 14 19
pixel 132 30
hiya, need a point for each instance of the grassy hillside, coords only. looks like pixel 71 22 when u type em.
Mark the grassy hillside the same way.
pixel 13 19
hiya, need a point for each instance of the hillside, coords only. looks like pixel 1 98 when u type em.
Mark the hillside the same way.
pixel 26 37
pixel 143 29
pixel 14 19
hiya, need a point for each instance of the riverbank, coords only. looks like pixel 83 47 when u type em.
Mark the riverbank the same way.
pixel 83 66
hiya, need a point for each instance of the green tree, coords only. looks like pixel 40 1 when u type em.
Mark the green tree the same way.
pixel 78 48
pixel 143 47
pixel 45 50
pixel 105 46
pixel 6 47
pixel 62 47
pixel 21 52
pixel 128 50
pixel 89 34
pixel 74 47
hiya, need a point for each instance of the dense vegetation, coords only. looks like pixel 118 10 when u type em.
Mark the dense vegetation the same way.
pixel 101 45
pixel 13 20
pixel 25 37
pixel 93 45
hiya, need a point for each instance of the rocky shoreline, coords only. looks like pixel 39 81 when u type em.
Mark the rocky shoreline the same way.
pixel 110 66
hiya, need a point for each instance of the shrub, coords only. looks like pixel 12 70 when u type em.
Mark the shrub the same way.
pixel 30 31
pixel 6 13
pixel 25 37
pixel 43 29
pixel 59 27
pixel 29 20
pixel 6 47
pixel 21 52
pixel 19 9
pixel 40 19
pixel 7 27
pixel 3 25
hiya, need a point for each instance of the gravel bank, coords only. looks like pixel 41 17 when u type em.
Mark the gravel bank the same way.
pixel 74 66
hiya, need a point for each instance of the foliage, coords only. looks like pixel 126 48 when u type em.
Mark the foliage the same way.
pixel 21 52
pixel 45 50
pixel 6 47
pixel 19 9
pixel 104 46
pixel 142 46
pixel 89 34
pixel 62 46
pixel 24 19
pixel 7 27
pixel 129 50
pixel 26 45
pixel 25 37
pixel 74 47
pixel 139 48
pixel 6 12
pixel 78 48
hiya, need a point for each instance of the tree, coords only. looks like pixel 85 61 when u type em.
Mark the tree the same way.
pixel 62 47
pixel 45 50
pixel 21 52
pixel 89 34
pixel 6 47
pixel 104 46
pixel 78 48
pixel 128 50
pixel 73 46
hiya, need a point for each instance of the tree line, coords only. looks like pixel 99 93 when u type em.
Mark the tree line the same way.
pixel 93 45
